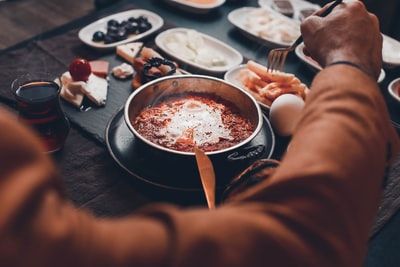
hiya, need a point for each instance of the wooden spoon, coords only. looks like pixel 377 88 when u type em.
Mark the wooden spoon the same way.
pixel 207 176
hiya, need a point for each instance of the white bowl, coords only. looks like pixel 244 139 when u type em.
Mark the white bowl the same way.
pixel 394 87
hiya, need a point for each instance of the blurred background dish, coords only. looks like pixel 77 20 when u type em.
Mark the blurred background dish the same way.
pixel 266 26
pixel 301 9
pixel 198 50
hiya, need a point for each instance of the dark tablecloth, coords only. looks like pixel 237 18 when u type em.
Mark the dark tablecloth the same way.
pixel 93 179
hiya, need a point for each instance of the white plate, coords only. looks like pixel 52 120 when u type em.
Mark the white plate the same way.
pixel 390 52
pixel 86 33
pixel 311 63
pixel 231 76
pixel 241 18
pixel 298 6
pixel 214 46
pixel 195 7
pixel 314 66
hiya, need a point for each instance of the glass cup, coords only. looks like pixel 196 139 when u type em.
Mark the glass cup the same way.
pixel 38 99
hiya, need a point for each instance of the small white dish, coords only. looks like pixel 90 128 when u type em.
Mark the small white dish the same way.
pixel 394 89
pixel 311 63
pixel 231 76
pixel 298 6
pixel 230 56
pixel 266 26
pixel 314 66
pixel 390 52
pixel 193 7
pixel 86 33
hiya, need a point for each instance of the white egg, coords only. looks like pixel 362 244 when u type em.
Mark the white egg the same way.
pixel 285 113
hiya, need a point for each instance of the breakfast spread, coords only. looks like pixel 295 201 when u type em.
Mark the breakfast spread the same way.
pixel 80 81
pixel 204 120
pixel 266 86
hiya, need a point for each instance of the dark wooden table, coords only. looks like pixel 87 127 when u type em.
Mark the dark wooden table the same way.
pixel 92 177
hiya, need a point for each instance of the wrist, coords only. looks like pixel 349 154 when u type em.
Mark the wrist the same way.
pixel 351 64
pixel 367 63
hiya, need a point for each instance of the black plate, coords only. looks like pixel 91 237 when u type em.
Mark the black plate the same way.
pixel 177 173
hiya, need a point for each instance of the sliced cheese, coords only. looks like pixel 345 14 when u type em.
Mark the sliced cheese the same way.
pixel 70 91
pixel 95 88
pixel 129 51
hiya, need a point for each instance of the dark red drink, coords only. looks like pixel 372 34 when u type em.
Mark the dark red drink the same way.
pixel 39 107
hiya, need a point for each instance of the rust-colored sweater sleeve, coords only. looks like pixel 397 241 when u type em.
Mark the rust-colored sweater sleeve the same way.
pixel 316 209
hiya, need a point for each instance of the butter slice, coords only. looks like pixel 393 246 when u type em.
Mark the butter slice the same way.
pixel 129 51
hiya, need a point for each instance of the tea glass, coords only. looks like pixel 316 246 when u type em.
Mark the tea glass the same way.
pixel 39 107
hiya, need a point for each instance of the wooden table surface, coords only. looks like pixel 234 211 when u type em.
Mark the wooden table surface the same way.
pixel 23 19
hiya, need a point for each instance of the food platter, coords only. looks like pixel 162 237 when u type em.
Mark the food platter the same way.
pixel 231 76
pixel 86 33
pixel 298 7
pixel 210 50
pixel 196 7
pixel 314 66
pixel 175 173
pixel 390 52
pixel 265 26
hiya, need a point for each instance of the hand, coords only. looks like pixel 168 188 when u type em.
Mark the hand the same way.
pixel 348 33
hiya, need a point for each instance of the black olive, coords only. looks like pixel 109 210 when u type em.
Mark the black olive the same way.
pixel 144 26
pixel 132 19
pixel 112 29
pixel 98 36
pixel 113 22
pixel 123 23
pixel 117 31
pixel 122 34
pixel 108 39
pixel 131 28
pixel 142 19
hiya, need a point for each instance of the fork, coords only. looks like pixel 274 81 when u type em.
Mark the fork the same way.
pixel 277 56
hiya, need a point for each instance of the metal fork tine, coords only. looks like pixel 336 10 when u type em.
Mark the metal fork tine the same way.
pixel 276 59
pixel 283 59
pixel 269 62
pixel 273 58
